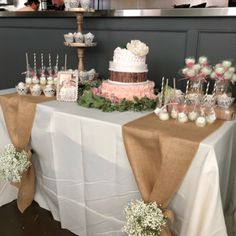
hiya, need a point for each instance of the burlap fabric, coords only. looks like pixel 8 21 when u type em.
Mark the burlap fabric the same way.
pixel 19 113
pixel 160 153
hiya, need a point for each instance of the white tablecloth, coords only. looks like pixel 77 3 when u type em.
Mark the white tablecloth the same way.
pixel 85 180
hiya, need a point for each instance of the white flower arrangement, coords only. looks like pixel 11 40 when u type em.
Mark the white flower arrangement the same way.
pixel 224 72
pixel 13 164
pixel 196 71
pixel 138 48
pixel 144 219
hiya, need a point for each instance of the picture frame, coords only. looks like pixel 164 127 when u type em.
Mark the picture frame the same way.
pixel 67 86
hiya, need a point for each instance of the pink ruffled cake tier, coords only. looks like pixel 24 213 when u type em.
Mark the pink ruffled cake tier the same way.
pixel 127 91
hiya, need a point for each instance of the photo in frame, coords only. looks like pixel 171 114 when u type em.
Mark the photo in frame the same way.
pixel 67 86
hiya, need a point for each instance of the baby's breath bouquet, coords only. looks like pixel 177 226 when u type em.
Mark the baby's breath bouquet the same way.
pixel 144 219
pixel 13 164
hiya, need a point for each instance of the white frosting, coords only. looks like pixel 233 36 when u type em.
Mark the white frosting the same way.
pixel 123 56
pixel 182 117
pixel 114 66
pixel 50 80
pixel 211 118
pixel 226 63
pixel 163 115
pixel 125 61
pixel 174 114
pixel 43 80
pixel 192 115
pixel 28 80
pixel 201 121
pixel 35 80
pixel 36 87
pixel 203 60
pixel 21 85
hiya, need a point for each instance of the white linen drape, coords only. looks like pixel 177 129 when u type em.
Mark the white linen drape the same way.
pixel 85 180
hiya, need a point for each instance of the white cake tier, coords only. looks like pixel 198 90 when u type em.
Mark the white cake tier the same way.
pixel 127 67
pixel 124 56
pixel 127 91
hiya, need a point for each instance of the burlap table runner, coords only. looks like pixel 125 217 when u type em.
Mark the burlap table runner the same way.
pixel 160 154
pixel 19 112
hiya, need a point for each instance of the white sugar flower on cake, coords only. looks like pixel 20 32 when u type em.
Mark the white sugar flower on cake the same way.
pixel 138 48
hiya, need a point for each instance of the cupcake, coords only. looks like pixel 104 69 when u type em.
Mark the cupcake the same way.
pixel 74 3
pixel 83 75
pixel 22 88
pixel 36 90
pixel 85 4
pixel 79 38
pixel 91 74
pixel 88 38
pixel 69 38
pixel 49 91
pixel 224 101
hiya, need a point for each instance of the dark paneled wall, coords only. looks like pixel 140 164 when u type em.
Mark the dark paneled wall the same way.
pixel 170 39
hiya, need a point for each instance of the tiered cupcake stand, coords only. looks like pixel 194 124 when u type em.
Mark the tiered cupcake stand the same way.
pixel 80 46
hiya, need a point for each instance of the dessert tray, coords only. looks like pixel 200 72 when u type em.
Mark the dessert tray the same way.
pixel 80 9
pixel 80 44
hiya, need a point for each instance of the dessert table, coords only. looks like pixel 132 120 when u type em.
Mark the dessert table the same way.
pixel 84 177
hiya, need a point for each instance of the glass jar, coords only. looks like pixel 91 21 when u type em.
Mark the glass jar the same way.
pixel 223 87
pixel 196 86
pixel 195 92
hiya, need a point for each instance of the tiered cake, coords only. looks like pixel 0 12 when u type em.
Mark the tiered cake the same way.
pixel 128 73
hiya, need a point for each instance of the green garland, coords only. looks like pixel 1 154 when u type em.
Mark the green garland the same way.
pixel 88 99
pixel 87 85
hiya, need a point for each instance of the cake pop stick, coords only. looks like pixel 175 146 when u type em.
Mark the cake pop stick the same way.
pixel 35 63
pixel 207 88
pixel 187 87
pixel 57 60
pixel 42 60
pixel 162 90
pixel 167 82
pixel 162 84
pixel 65 61
pixel 214 90
pixel 166 88
pixel 27 61
pixel 174 85
pixel 49 61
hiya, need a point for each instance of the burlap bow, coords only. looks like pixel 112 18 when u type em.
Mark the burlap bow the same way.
pixel 19 112
pixel 160 154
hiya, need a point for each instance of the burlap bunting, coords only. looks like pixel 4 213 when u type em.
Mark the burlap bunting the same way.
pixel 160 154
pixel 19 113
